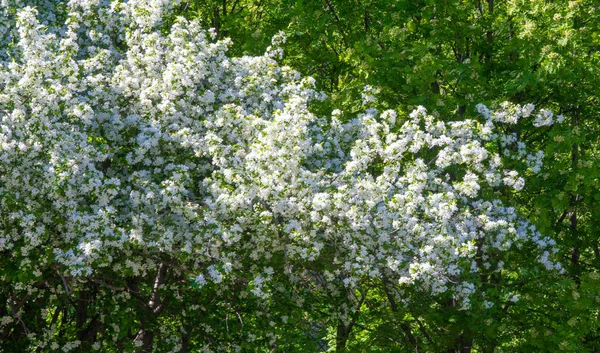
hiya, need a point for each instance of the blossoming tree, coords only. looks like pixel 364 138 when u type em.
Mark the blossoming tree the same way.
pixel 158 195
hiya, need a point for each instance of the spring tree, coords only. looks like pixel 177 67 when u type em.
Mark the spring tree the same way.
pixel 159 195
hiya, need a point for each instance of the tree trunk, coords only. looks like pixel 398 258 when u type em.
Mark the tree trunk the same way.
pixel 145 336
pixel 342 334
